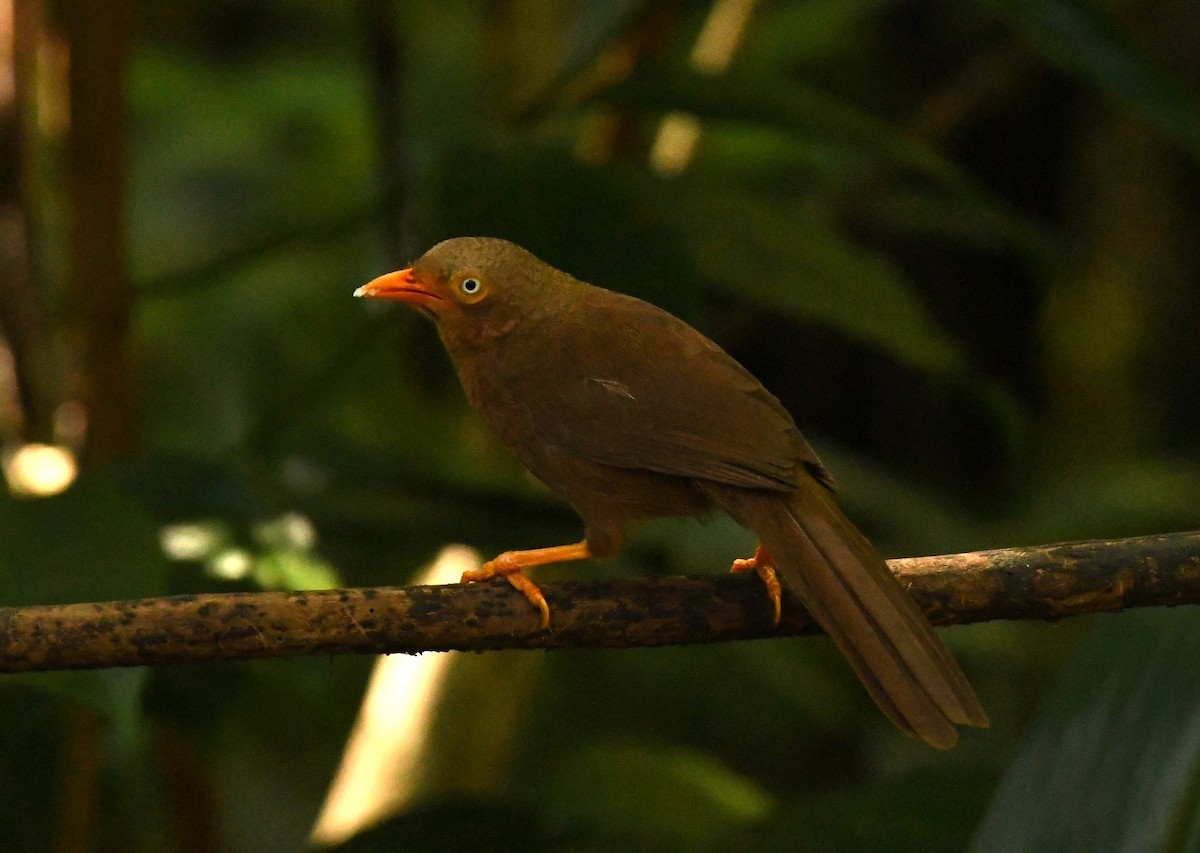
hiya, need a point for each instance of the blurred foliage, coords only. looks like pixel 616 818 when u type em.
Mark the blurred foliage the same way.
pixel 1137 793
pixel 957 240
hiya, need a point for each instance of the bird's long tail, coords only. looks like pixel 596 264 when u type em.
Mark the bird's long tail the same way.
pixel 850 592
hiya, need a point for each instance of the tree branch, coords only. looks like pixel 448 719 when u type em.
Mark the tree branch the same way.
pixel 1047 582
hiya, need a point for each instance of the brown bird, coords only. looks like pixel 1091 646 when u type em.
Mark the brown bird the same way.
pixel 627 413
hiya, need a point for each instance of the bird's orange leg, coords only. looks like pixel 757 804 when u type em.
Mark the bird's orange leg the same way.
pixel 764 564
pixel 509 565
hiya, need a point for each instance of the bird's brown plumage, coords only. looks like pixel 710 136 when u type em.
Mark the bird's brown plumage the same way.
pixel 627 412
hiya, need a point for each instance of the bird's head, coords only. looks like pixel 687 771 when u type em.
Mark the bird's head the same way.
pixel 471 286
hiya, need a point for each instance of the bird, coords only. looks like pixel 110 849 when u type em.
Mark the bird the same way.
pixel 628 413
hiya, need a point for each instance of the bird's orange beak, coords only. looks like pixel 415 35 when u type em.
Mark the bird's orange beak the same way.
pixel 402 286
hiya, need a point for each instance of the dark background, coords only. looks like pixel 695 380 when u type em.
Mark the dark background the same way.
pixel 958 240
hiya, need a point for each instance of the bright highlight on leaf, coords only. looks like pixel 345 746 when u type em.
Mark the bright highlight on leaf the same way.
pixel 231 565
pixel 379 774
pixel 679 132
pixel 191 541
pixel 40 470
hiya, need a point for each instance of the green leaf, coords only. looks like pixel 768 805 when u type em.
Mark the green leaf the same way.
pixel 464 824
pixel 447 53
pixel 1112 761
pixel 904 517
pixel 597 25
pixel 786 257
pixel 965 220
pixel 790 106
pixel 786 35
pixel 1127 498
pixel 91 543
pixel 655 792
pixel 927 810
pixel 114 694
pixel 252 134
pixel 594 227
pixel 1080 39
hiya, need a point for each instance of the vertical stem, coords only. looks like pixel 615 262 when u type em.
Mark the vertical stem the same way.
pixel 385 58
pixel 97 37
pixel 386 67
pixel 82 770
pixel 21 320
pixel 99 290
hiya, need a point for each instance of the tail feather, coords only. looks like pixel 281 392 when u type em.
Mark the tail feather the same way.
pixel 897 615
pixel 850 592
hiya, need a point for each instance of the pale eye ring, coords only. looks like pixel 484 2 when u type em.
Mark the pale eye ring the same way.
pixel 470 286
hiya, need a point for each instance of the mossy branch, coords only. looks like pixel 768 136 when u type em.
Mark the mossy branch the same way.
pixel 1039 583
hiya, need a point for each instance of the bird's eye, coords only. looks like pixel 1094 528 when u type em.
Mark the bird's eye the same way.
pixel 470 286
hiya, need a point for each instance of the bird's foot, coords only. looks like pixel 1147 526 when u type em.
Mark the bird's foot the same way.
pixel 509 569
pixel 510 564
pixel 763 564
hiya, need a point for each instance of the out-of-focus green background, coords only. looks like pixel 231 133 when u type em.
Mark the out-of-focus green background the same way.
pixel 960 241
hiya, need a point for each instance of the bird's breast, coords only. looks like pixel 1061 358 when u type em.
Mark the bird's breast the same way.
pixel 496 381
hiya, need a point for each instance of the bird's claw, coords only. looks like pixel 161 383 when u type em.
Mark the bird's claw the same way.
pixel 510 570
pixel 763 564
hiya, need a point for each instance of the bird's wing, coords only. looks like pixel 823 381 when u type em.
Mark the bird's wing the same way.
pixel 641 389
